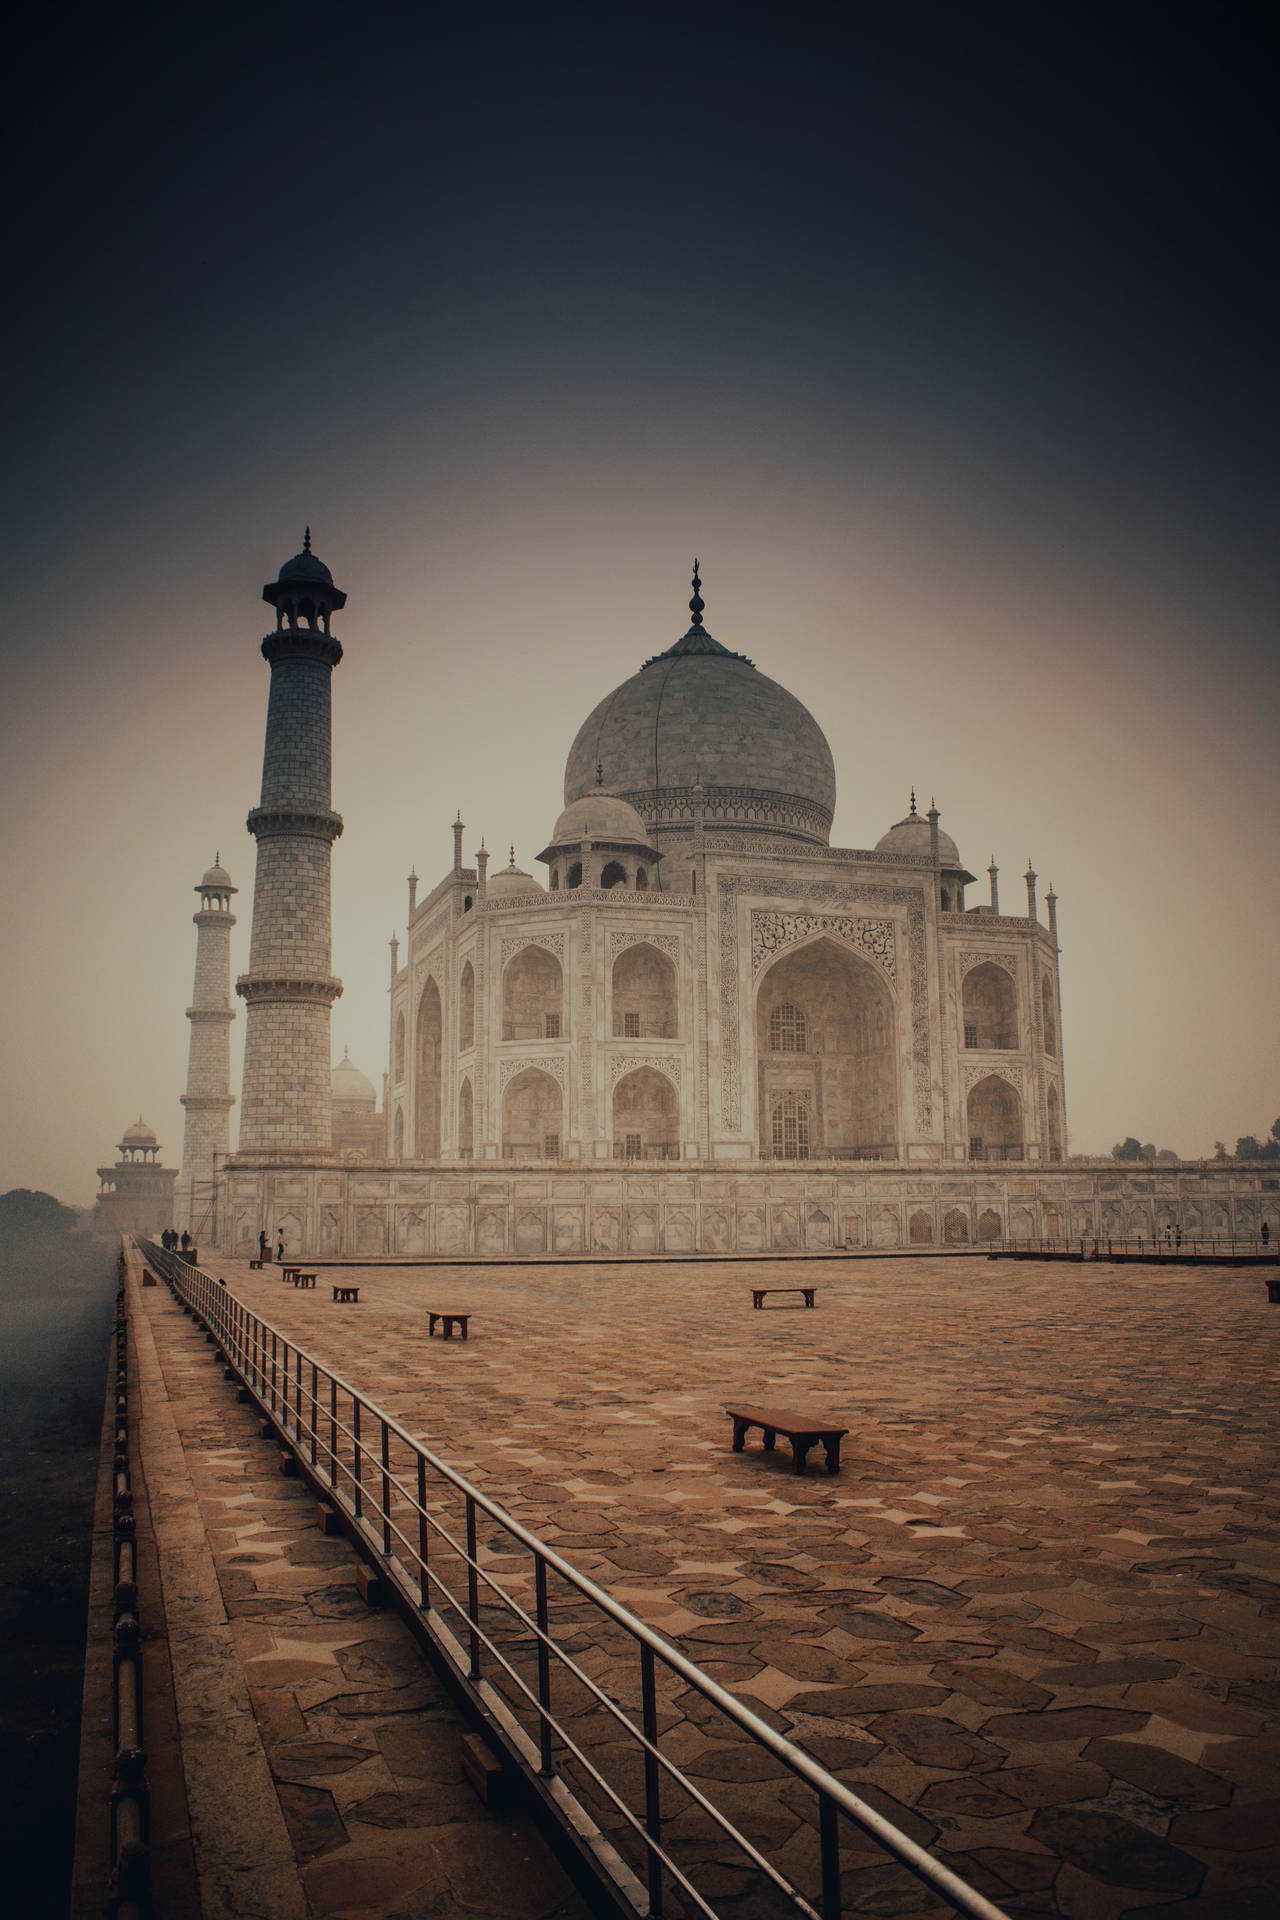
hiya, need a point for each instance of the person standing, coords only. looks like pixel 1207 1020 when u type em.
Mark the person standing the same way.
pixel 262 1243
pixel 280 1248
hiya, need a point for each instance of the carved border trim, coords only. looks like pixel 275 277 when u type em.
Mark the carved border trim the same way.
pixel 772 933
pixel 1009 961
pixel 552 1063
pixel 553 942
pixel 623 1063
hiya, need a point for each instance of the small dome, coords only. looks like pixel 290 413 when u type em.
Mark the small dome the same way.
pixel 217 879
pixel 600 816
pixel 350 1087
pixel 305 566
pixel 913 836
pixel 511 881
pixel 138 1135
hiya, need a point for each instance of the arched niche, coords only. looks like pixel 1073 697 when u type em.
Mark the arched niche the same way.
pixel 429 1031
pixel 646 1116
pixel 533 996
pixel 466 1121
pixel 1054 1106
pixel 994 1111
pixel 644 994
pixel 826 1029
pixel 399 1061
pixel 613 874
pixel 1050 1013
pixel 531 1116
pixel 990 1007
pixel 466 1007
pixel 397 1137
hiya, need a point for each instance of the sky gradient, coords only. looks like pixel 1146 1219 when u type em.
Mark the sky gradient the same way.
pixel 949 346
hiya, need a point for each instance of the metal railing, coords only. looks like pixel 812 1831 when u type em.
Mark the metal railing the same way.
pixel 589 1702
pixel 1173 1245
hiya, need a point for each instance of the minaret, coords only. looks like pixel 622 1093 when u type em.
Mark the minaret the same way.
pixel 208 1099
pixel 289 991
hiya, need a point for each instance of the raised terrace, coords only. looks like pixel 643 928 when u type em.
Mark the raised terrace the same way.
pixel 1035 1619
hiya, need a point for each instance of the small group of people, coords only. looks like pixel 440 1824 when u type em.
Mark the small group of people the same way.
pixel 264 1244
pixel 175 1241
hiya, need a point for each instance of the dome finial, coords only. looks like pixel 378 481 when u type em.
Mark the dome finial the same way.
pixel 599 773
pixel 306 540
pixel 697 606
pixel 513 854
pixel 913 814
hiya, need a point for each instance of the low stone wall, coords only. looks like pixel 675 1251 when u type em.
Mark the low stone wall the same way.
pixel 336 1210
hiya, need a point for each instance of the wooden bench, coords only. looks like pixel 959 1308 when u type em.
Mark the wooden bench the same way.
pixel 346 1293
pixel 301 1279
pixel 803 1430
pixel 807 1295
pixel 256 1265
pixel 449 1322
pixel 288 1273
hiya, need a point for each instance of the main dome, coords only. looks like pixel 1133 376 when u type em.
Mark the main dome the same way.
pixel 700 714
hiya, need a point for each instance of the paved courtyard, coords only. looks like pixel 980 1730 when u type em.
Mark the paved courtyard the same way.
pixel 1036 1618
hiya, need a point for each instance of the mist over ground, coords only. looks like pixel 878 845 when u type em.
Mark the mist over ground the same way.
pixel 57 1288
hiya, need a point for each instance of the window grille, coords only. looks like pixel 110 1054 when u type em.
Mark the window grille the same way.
pixel 790 1130
pixel 971 1033
pixel 551 1026
pixel 787 1029
pixel 551 1146
pixel 634 1145
pixel 631 1026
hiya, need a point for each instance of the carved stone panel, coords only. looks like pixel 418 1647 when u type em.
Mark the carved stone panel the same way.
pixel 772 932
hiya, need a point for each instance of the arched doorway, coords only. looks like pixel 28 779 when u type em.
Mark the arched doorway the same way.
pixel 532 996
pixel 430 1027
pixel 466 1121
pixel 646 1117
pixel 990 1008
pixel 994 1111
pixel 826 1036
pixel 531 1117
pixel 644 994
pixel 1050 1015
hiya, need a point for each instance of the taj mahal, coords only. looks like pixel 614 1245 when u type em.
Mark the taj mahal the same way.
pixel 704 1029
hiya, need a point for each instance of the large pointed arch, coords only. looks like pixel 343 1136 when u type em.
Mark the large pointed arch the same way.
pixel 532 1111
pixel 826 1036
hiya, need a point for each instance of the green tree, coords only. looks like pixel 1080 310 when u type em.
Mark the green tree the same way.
pixel 1129 1149
pixel 1248 1147
pixel 1220 1150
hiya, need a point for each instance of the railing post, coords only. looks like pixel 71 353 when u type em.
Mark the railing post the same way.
pixel 424 1584
pixel 829 1841
pixel 652 1778
pixel 473 1590
pixel 386 1487
pixel 297 1396
pixel 357 1492
pixel 315 1408
pixel 546 1766
pixel 333 1431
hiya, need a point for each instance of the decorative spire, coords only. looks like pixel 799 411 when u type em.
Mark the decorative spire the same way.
pixel 913 815
pixel 306 541
pixel 599 773
pixel 512 860
pixel 697 605
pixel 217 858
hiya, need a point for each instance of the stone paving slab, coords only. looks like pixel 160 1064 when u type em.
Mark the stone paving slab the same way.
pixel 361 1811
pixel 1035 1619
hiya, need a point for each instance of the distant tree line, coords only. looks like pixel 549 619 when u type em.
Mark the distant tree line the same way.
pixel 26 1212
pixel 1248 1147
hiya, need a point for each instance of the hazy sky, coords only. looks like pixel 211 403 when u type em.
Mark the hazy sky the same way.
pixel 948 342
